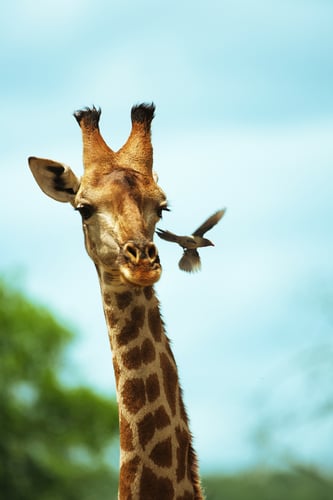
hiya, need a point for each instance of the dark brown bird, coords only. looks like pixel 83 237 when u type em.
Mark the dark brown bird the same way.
pixel 190 261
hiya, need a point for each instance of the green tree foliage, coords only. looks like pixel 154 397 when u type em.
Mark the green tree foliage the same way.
pixel 298 484
pixel 55 439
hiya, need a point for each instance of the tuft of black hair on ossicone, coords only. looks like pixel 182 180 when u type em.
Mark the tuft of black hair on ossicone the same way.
pixel 143 113
pixel 88 116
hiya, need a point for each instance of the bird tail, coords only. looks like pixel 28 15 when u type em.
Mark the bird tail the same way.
pixel 190 261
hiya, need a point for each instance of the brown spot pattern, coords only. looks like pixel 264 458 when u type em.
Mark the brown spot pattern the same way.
pixel 146 429
pixel 187 496
pixel 111 317
pixel 182 408
pixel 148 351
pixel 127 474
pixel 138 315
pixel 193 472
pixel 128 333
pixel 123 300
pixel 161 418
pixel 133 394
pixel 168 349
pixel 155 323
pixel 153 487
pixel 152 387
pixel 182 453
pixel 132 358
pixel 107 298
pixel 148 291
pixel 126 435
pixel 161 454
pixel 170 381
pixel 131 330
pixel 150 422
pixel 116 370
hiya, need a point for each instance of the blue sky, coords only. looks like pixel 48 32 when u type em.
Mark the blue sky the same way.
pixel 244 119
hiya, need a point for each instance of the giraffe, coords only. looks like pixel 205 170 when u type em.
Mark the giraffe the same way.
pixel 120 203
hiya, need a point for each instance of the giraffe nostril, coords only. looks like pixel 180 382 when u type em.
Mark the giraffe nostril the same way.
pixel 151 252
pixel 132 252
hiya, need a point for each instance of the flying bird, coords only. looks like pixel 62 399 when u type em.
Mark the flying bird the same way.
pixel 190 261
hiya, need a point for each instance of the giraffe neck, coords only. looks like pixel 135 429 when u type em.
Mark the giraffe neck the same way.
pixel 156 455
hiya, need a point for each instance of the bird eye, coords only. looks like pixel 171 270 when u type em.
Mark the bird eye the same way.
pixel 161 209
pixel 86 211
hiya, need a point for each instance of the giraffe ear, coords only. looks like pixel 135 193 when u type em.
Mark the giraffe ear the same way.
pixel 55 179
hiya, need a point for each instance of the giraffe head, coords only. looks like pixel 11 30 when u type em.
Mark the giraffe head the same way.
pixel 117 196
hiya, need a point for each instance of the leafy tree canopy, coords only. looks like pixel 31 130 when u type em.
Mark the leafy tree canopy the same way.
pixel 301 483
pixel 54 439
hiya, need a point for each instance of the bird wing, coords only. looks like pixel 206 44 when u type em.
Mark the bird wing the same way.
pixel 209 223
pixel 167 235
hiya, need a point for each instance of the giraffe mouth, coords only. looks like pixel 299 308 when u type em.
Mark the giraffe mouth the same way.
pixel 141 275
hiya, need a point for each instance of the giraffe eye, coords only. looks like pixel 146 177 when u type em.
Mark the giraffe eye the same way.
pixel 86 211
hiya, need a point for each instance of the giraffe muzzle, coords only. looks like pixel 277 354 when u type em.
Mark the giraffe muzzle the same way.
pixel 140 263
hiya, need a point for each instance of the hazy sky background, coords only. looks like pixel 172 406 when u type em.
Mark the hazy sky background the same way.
pixel 244 119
